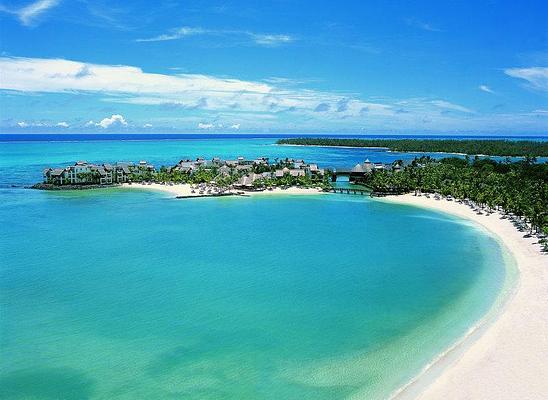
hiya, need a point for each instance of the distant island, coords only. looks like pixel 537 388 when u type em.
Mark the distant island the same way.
pixel 510 148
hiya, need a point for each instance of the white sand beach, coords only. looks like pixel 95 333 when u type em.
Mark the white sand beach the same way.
pixel 187 191
pixel 509 358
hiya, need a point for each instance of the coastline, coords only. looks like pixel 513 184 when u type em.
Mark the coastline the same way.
pixel 504 355
pixel 399 151
pixel 332 147
pixel 185 190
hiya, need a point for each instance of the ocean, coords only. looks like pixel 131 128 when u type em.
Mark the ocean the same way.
pixel 115 294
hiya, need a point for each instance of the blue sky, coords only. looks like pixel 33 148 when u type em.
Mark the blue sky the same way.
pixel 278 66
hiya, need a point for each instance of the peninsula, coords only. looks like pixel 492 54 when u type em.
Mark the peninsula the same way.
pixel 510 148
pixel 194 178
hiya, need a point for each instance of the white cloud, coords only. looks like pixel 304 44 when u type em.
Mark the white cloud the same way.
pixel 58 75
pixel 201 125
pixel 260 39
pixel 537 77
pixel 199 98
pixel 115 120
pixel 177 33
pixel 450 106
pixel 235 126
pixel 271 40
pixel 24 124
pixel 62 124
pixel 30 13
pixel 485 88
pixel 147 126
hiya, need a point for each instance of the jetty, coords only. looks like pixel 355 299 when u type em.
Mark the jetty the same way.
pixel 348 191
pixel 195 196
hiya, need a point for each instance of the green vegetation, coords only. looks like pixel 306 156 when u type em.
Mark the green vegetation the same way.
pixel 520 188
pixel 201 175
pixel 209 174
pixel 287 180
pixel 517 148
pixel 88 177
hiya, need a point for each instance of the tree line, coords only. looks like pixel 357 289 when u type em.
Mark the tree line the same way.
pixel 520 188
pixel 495 147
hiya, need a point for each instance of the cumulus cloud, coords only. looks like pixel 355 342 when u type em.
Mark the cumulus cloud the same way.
pixel 22 124
pixel 202 125
pixel 29 14
pixel 62 124
pixel 485 88
pixel 537 77
pixel 114 120
pixel 147 126
pixel 235 126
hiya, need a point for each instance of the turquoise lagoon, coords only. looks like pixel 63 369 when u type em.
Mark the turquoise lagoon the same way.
pixel 116 294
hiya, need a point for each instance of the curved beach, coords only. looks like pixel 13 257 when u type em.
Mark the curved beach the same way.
pixel 507 360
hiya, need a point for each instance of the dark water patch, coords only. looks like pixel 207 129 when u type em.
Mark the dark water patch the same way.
pixel 168 361
pixel 47 383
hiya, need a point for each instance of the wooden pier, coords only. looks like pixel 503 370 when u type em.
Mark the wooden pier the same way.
pixel 196 196
pixel 348 191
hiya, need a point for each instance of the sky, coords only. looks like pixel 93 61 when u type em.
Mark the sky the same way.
pixel 348 67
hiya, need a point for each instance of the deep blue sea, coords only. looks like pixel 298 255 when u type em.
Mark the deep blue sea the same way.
pixel 116 294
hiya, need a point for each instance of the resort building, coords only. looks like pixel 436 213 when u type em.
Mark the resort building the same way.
pixel 244 168
pixel 261 161
pixel 224 170
pixel 55 176
pixel 361 169
pixel 244 173
pixel 297 172
pixel 122 172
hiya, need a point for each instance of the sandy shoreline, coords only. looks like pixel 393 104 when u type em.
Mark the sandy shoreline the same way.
pixel 508 359
pixel 186 190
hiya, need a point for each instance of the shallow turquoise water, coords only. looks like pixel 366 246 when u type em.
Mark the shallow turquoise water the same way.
pixel 23 162
pixel 132 295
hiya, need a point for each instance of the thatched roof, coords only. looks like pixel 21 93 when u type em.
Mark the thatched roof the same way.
pixel 358 169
